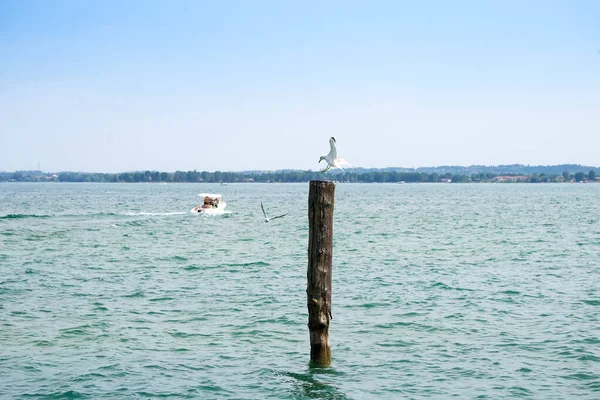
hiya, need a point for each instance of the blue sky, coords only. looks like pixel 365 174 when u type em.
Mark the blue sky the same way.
pixel 134 85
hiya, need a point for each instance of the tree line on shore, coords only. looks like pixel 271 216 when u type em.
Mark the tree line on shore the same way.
pixel 381 176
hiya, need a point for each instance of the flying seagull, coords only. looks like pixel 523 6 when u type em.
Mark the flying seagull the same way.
pixel 265 214
pixel 332 158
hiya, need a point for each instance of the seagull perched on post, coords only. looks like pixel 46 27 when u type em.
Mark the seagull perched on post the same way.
pixel 332 158
pixel 265 214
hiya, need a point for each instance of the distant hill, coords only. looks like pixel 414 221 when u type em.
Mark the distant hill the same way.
pixel 492 169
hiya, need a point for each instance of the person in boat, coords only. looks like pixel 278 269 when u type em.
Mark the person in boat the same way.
pixel 207 203
pixel 217 202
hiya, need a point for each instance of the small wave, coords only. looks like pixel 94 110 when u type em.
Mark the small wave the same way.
pixel 396 343
pixel 519 391
pixel 110 367
pixel 43 343
pixel 178 334
pixel 193 368
pixel 582 376
pixel 592 302
pixel 589 357
pixel 138 293
pixel 88 377
pixel 411 314
pixel 23 216
pixel 511 292
pixel 443 286
pixel 155 366
pixel 135 223
pixel 455 316
pixel 257 263
pixel 71 394
pixel 173 258
pixel 373 305
pixel 161 299
pixel 74 331
pixel 394 325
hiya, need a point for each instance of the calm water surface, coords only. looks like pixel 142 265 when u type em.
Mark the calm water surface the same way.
pixel 112 291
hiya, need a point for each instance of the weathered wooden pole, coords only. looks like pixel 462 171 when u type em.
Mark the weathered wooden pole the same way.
pixel 318 291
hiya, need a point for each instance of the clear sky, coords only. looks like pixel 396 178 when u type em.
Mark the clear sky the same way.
pixel 112 86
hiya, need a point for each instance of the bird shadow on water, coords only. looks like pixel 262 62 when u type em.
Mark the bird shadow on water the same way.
pixel 306 385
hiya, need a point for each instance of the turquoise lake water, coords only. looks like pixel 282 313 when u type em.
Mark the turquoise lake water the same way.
pixel 113 291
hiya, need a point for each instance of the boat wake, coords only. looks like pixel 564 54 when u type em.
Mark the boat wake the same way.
pixel 212 212
pixel 154 214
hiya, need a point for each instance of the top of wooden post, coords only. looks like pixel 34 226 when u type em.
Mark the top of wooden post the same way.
pixel 322 181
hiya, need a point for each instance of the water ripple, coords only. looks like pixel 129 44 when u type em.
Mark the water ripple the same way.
pixel 468 291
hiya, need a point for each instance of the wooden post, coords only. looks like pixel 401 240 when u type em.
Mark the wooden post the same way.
pixel 318 291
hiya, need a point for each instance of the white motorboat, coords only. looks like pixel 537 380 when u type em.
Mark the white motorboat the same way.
pixel 212 204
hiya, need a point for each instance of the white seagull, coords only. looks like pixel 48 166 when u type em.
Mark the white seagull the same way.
pixel 332 158
pixel 265 214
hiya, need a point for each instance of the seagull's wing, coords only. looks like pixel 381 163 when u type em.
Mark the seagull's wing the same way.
pixel 332 151
pixel 279 216
pixel 342 161
pixel 263 209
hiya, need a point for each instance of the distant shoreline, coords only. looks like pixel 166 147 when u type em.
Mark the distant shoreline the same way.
pixel 264 182
pixel 390 175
